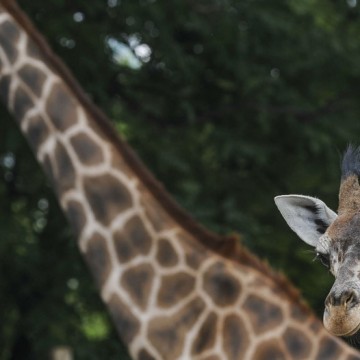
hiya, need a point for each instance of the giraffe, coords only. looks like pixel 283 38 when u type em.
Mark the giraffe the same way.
pixel 335 238
pixel 173 289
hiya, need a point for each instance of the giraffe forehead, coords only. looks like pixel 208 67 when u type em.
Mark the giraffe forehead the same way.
pixel 345 229
pixel 344 253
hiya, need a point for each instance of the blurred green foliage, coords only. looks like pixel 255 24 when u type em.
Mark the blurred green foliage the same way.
pixel 228 102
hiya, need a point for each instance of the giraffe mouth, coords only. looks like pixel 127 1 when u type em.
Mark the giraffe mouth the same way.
pixel 351 332
pixel 341 322
pixel 347 334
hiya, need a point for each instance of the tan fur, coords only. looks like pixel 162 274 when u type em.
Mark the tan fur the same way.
pixel 349 195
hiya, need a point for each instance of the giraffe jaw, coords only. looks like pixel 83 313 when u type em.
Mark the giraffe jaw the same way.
pixel 340 321
pixel 353 332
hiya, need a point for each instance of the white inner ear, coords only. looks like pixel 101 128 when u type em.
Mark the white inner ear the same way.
pixel 305 215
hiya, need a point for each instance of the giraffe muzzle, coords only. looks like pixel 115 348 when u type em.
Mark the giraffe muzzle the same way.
pixel 342 312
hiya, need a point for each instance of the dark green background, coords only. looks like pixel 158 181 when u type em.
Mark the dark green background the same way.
pixel 239 101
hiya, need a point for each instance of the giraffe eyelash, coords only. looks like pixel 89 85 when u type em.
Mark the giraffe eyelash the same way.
pixel 323 258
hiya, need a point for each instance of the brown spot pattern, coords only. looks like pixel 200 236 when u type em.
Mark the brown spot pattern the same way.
pixel 235 337
pixel 132 240
pixel 269 350
pixel 297 344
pixel 126 323
pixel 298 313
pixel 194 259
pixel 315 327
pixel 205 339
pixel 107 196
pixel 174 288
pixel 22 103
pixel 138 281
pixel 98 257
pixel 223 288
pixel 33 78
pixel 37 131
pixel 167 333
pixel 88 152
pixel 76 216
pixel 328 349
pixel 61 108
pixel 166 255
pixel 263 315
pixel 9 35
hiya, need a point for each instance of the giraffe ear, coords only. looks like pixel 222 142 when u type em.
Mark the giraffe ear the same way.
pixel 307 216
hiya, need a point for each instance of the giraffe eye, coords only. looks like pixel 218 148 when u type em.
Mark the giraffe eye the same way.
pixel 324 259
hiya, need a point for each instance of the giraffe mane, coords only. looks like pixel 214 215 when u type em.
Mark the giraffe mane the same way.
pixel 230 246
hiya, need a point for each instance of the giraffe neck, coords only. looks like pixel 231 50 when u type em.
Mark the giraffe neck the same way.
pixel 170 296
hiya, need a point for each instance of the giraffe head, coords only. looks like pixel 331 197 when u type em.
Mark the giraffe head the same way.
pixel 336 239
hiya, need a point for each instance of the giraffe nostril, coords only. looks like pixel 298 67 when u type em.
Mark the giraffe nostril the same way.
pixel 347 298
pixel 328 301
